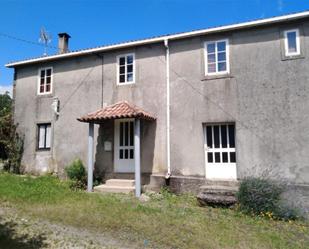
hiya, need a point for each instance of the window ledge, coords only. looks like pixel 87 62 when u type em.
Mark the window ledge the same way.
pixel 215 77
pixel 292 57
pixel 47 95
pixel 43 150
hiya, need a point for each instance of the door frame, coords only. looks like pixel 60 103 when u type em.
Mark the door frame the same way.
pixel 219 171
pixel 121 166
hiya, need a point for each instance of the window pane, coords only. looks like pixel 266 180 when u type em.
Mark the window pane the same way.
pixel 224 157
pixel 48 79
pixel 130 68
pixel 131 133
pixel 232 157
pixel 126 134
pixel 217 157
pixel 42 73
pixel 223 136
pixel 209 136
pixel 211 68
pixel 210 157
pixel 126 154
pixel 48 136
pixel 122 69
pixel 129 77
pixel 48 72
pixel 292 41
pixel 48 88
pixel 221 46
pixel 131 154
pixel 130 59
pixel 121 134
pixel 41 136
pixel 122 78
pixel 211 58
pixel 222 66
pixel 41 88
pixel 216 136
pixel 232 136
pixel 122 61
pixel 211 48
pixel 42 81
pixel 222 56
pixel 121 154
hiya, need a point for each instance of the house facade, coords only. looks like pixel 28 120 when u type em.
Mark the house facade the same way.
pixel 226 103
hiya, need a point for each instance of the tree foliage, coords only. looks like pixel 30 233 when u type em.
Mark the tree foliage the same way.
pixel 11 144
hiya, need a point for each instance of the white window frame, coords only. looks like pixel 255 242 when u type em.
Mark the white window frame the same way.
pixel 45 136
pixel 39 81
pixel 227 71
pixel 118 71
pixel 286 45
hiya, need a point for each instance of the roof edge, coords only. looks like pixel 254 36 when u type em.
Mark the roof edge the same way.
pixel 183 35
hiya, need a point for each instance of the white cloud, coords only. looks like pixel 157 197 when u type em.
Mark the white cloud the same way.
pixel 4 89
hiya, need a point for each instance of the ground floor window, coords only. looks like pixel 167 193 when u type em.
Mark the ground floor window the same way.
pixel 44 136
pixel 220 143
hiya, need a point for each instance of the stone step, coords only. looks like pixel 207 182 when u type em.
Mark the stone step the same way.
pixel 120 182
pixel 232 183
pixel 219 190
pixel 113 189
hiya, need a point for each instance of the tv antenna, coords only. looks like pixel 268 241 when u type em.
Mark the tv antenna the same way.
pixel 45 38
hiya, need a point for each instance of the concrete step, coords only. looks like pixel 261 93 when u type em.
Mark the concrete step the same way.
pixel 120 182
pixel 113 189
pixel 218 189
pixel 232 183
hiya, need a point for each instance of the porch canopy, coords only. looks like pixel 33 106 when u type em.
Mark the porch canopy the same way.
pixel 119 110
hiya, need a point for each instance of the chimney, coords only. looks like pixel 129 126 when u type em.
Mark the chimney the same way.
pixel 63 43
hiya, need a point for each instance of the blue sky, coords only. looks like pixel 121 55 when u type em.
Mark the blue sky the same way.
pixel 93 22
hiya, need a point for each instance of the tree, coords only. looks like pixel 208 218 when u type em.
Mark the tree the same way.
pixel 11 144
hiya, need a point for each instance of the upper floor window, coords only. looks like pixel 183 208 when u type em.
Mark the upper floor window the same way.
pixel 217 57
pixel 44 136
pixel 45 80
pixel 291 42
pixel 126 70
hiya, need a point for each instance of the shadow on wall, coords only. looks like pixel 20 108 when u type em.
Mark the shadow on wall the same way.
pixel 10 239
pixel 104 159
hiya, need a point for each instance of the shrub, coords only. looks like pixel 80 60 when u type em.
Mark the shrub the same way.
pixel 263 197
pixel 77 173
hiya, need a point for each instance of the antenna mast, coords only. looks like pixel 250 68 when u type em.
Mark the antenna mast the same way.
pixel 45 38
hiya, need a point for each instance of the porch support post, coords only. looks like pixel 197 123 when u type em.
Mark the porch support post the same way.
pixel 137 154
pixel 90 157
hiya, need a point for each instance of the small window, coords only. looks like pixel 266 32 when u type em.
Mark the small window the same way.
pixel 216 57
pixel 44 136
pixel 291 42
pixel 126 70
pixel 45 81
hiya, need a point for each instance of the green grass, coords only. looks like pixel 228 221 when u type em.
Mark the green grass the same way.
pixel 166 221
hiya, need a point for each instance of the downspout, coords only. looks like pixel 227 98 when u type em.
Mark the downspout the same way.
pixel 168 145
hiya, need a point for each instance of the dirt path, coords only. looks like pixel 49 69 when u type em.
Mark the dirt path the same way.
pixel 19 231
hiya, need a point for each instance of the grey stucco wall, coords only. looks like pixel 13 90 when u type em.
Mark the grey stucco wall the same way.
pixel 265 94
pixel 77 83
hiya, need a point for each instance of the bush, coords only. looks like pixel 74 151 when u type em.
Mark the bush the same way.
pixel 77 173
pixel 263 197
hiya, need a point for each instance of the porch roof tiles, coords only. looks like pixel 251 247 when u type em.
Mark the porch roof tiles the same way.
pixel 119 110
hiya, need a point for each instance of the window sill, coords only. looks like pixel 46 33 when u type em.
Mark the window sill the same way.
pixel 292 57
pixel 47 95
pixel 215 77
pixel 43 150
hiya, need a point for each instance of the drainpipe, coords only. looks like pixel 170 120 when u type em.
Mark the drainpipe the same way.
pixel 168 145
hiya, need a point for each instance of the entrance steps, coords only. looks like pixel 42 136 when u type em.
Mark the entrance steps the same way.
pixel 218 192
pixel 116 186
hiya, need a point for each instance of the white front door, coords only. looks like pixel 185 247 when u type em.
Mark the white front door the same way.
pixel 124 146
pixel 220 152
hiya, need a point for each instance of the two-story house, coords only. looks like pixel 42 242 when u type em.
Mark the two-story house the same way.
pixel 215 104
